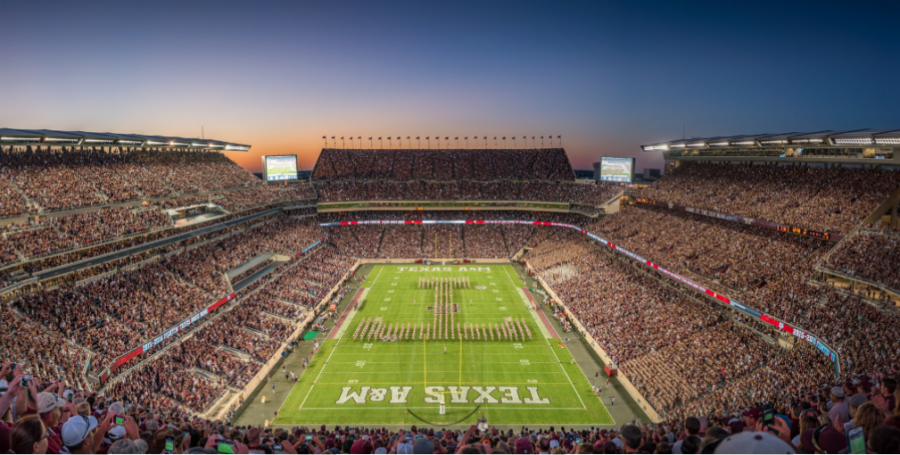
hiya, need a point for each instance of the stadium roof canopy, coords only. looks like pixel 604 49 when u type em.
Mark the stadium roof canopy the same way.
pixel 10 136
pixel 827 138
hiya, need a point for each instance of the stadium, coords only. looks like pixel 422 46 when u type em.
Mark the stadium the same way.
pixel 196 257
pixel 437 289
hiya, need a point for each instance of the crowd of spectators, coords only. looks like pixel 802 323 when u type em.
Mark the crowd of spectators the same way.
pixel 155 415
pixel 871 254
pixel 55 235
pixel 763 269
pixel 205 266
pixel 828 200
pixel 668 344
pixel 455 164
pixel 465 191
pixel 49 179
pixel 736 255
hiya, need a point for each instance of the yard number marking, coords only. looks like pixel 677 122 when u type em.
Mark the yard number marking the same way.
pixel 503 308
pixel 517 345
pixel 524 362
pixel 367 346
pixel 361 363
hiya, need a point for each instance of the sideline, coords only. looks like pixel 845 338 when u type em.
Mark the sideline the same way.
pixel 540 314
pixel 347 317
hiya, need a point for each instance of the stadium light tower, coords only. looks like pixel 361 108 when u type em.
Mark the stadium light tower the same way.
pixel 485 142
pixel 551 141
pixel 495 141
pixel 428 139
pixel 560 139
pixel 359 138
pixel 419 141
pixel 326 141
pixel 467 142
pixel 438 138
pixel 514 142
pixel 370 143
pixel 333 143
pixel 448 141
pixel 380 143
pixel 504 141
pixel 342 142
pixel 390 144
pixel 408 142
pixel 532 141
pixel 457 142
pixel 476 141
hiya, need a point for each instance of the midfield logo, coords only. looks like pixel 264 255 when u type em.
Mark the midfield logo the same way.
pixel 458 395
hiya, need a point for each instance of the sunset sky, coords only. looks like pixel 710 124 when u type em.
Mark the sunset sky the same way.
pixel 607 76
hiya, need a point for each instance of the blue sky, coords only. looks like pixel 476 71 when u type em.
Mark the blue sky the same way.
pixel 607 76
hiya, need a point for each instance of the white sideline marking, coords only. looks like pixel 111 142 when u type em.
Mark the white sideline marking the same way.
pixel 329 357
pixel 551 347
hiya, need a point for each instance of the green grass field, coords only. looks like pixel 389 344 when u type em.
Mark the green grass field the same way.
pixel 385 382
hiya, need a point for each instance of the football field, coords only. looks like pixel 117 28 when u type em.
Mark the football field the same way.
pixel 395 358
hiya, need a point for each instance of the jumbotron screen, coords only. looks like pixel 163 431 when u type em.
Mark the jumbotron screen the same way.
pixel 616 169
pixel 282 167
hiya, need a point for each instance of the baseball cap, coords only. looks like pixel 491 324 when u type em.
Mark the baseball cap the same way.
pixel 76 429
pixel 117 408
pixel 752 412
pixel 423 445
pixel 837 392
pixel 857 399
pixel 524 446
pixel 823 439
pixel 405 447
pixel 47 402
pixel 753 442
